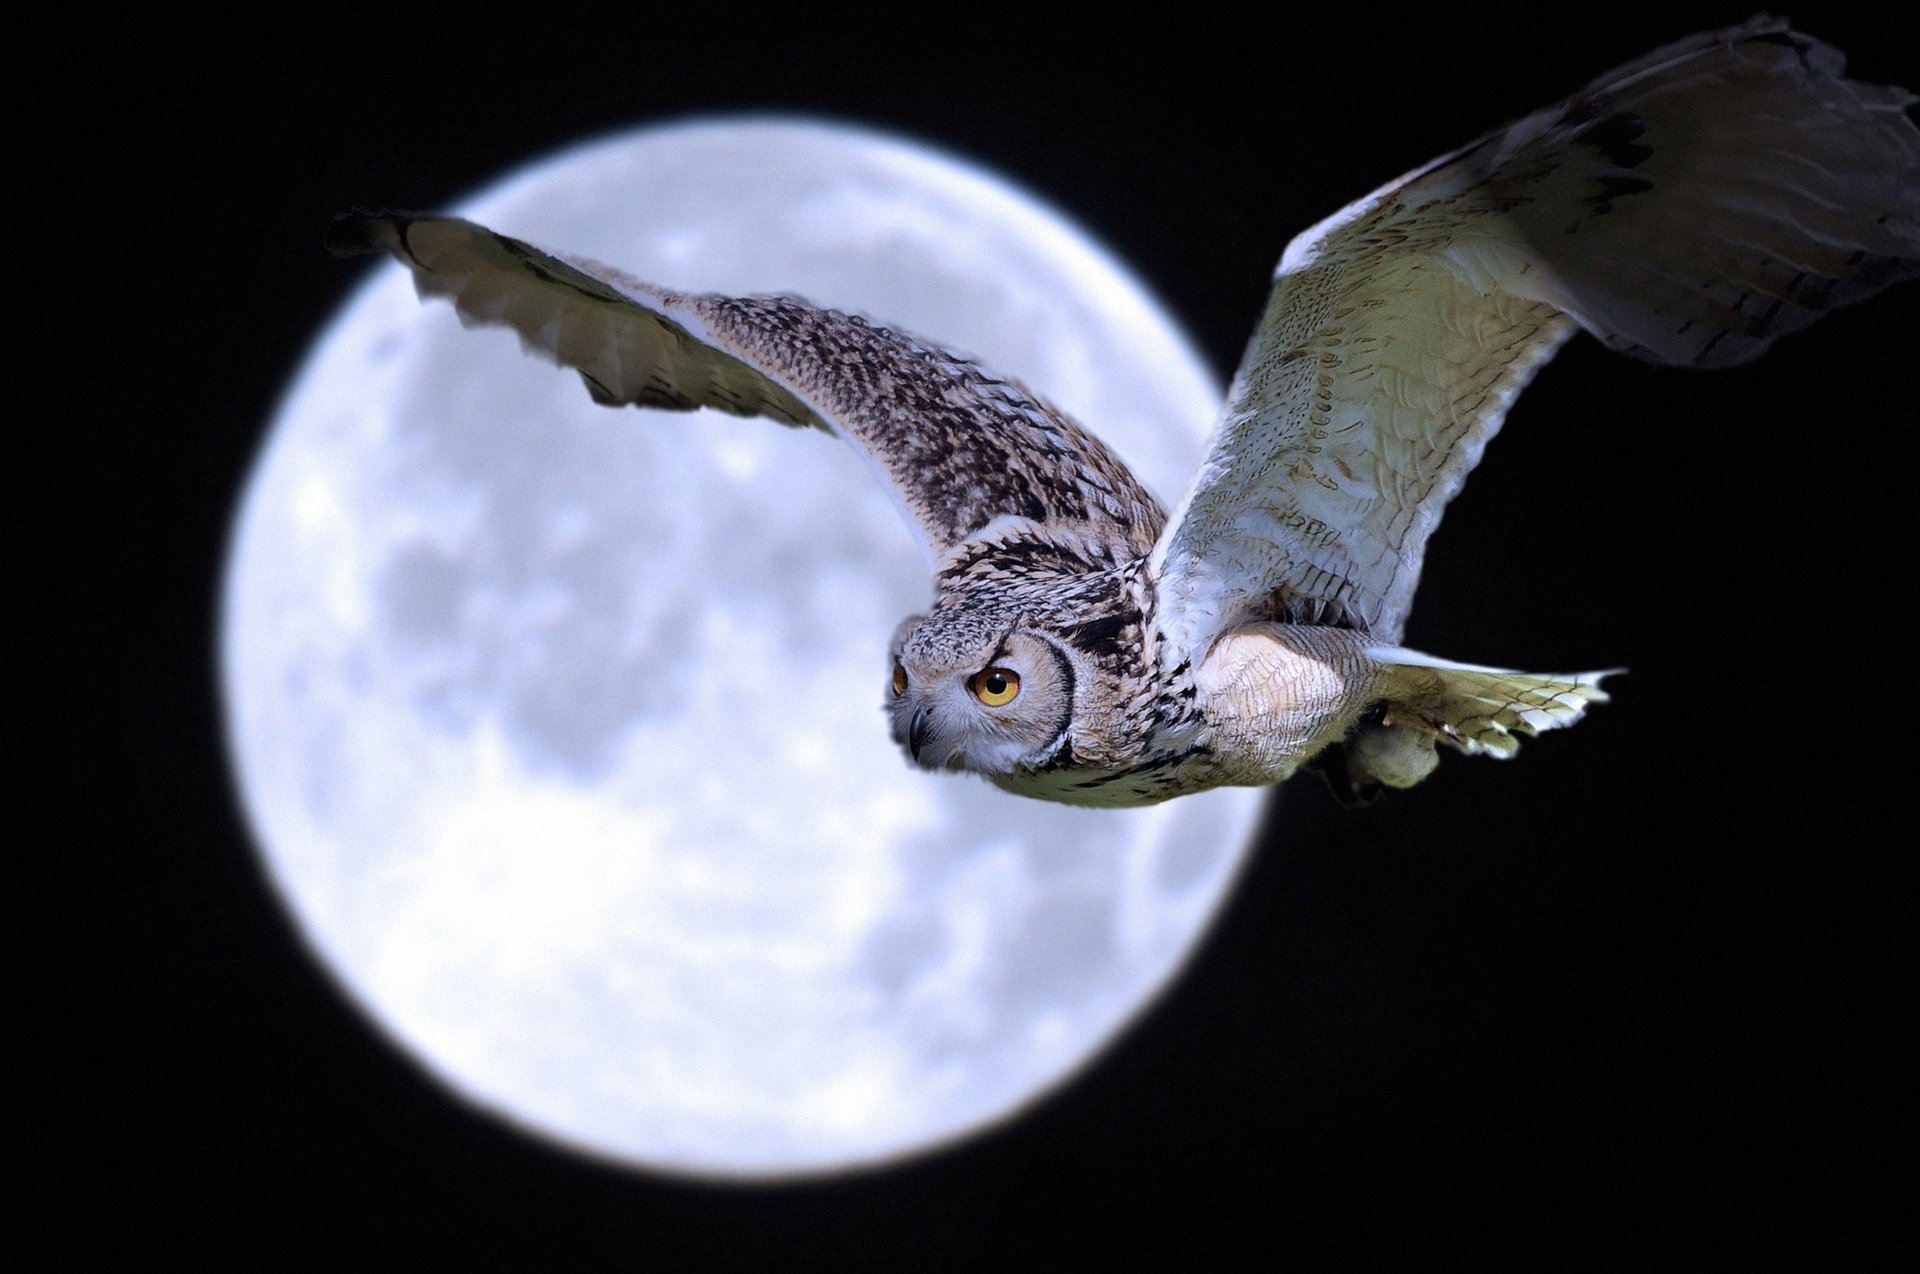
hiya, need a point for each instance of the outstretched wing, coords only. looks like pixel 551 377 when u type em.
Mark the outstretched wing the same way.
pixel 1688 208
pixel 958 447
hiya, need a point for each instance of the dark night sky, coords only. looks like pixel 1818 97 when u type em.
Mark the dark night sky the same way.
pixel 1630 998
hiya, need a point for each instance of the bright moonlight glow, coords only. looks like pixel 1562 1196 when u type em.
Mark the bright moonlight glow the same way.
pixel 560 727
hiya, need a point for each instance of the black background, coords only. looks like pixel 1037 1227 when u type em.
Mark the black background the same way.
pixel 1630 999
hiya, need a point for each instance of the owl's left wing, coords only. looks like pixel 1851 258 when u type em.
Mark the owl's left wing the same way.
pixel 1689 207
pixel 959 448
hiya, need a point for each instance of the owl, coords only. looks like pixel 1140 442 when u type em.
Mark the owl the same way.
pixel 1083 645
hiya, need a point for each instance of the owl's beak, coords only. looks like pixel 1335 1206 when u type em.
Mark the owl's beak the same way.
pixel 917 733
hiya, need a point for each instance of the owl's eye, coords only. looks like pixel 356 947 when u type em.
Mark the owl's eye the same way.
pixel 899 679
pixel 995 687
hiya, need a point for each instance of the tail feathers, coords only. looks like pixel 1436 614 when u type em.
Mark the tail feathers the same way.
pixel 1482 711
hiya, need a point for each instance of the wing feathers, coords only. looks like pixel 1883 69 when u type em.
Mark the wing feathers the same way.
pixel 629 341
pixel 957 446
pixel 1747 190
pixel 1690 207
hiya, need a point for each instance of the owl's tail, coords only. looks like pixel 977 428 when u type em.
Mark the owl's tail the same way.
pixel 1483 710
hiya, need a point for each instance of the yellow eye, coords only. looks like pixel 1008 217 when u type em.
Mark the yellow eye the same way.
pixel 995 687
pixel 899 679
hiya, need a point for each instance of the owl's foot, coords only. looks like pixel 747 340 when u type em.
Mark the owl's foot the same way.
pixel 1330 763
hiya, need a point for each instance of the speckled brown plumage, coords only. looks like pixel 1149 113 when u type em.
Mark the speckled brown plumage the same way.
pixel 963 446
pixel 1689 207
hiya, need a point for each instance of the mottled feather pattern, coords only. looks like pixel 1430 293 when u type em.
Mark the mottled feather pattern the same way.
pixel 958 445
pixel 1689 207
pixel 963 446
pixel 628 340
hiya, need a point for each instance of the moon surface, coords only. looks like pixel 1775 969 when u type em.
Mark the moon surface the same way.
pixel 559 728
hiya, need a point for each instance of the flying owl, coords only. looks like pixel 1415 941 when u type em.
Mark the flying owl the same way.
pixel 1082 645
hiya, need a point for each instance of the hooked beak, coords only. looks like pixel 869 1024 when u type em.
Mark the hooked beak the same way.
pixel 917 733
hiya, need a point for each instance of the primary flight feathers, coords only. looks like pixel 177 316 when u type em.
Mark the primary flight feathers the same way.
pixel 1691 207
pixel 960 445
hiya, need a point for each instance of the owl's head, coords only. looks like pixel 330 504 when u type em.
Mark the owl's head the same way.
pixel 986 697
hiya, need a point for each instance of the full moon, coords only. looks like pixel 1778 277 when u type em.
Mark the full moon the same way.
pixel 559 728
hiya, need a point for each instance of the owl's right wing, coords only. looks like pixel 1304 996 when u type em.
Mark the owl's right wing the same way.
pixel 1688 208
pixel 958 448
